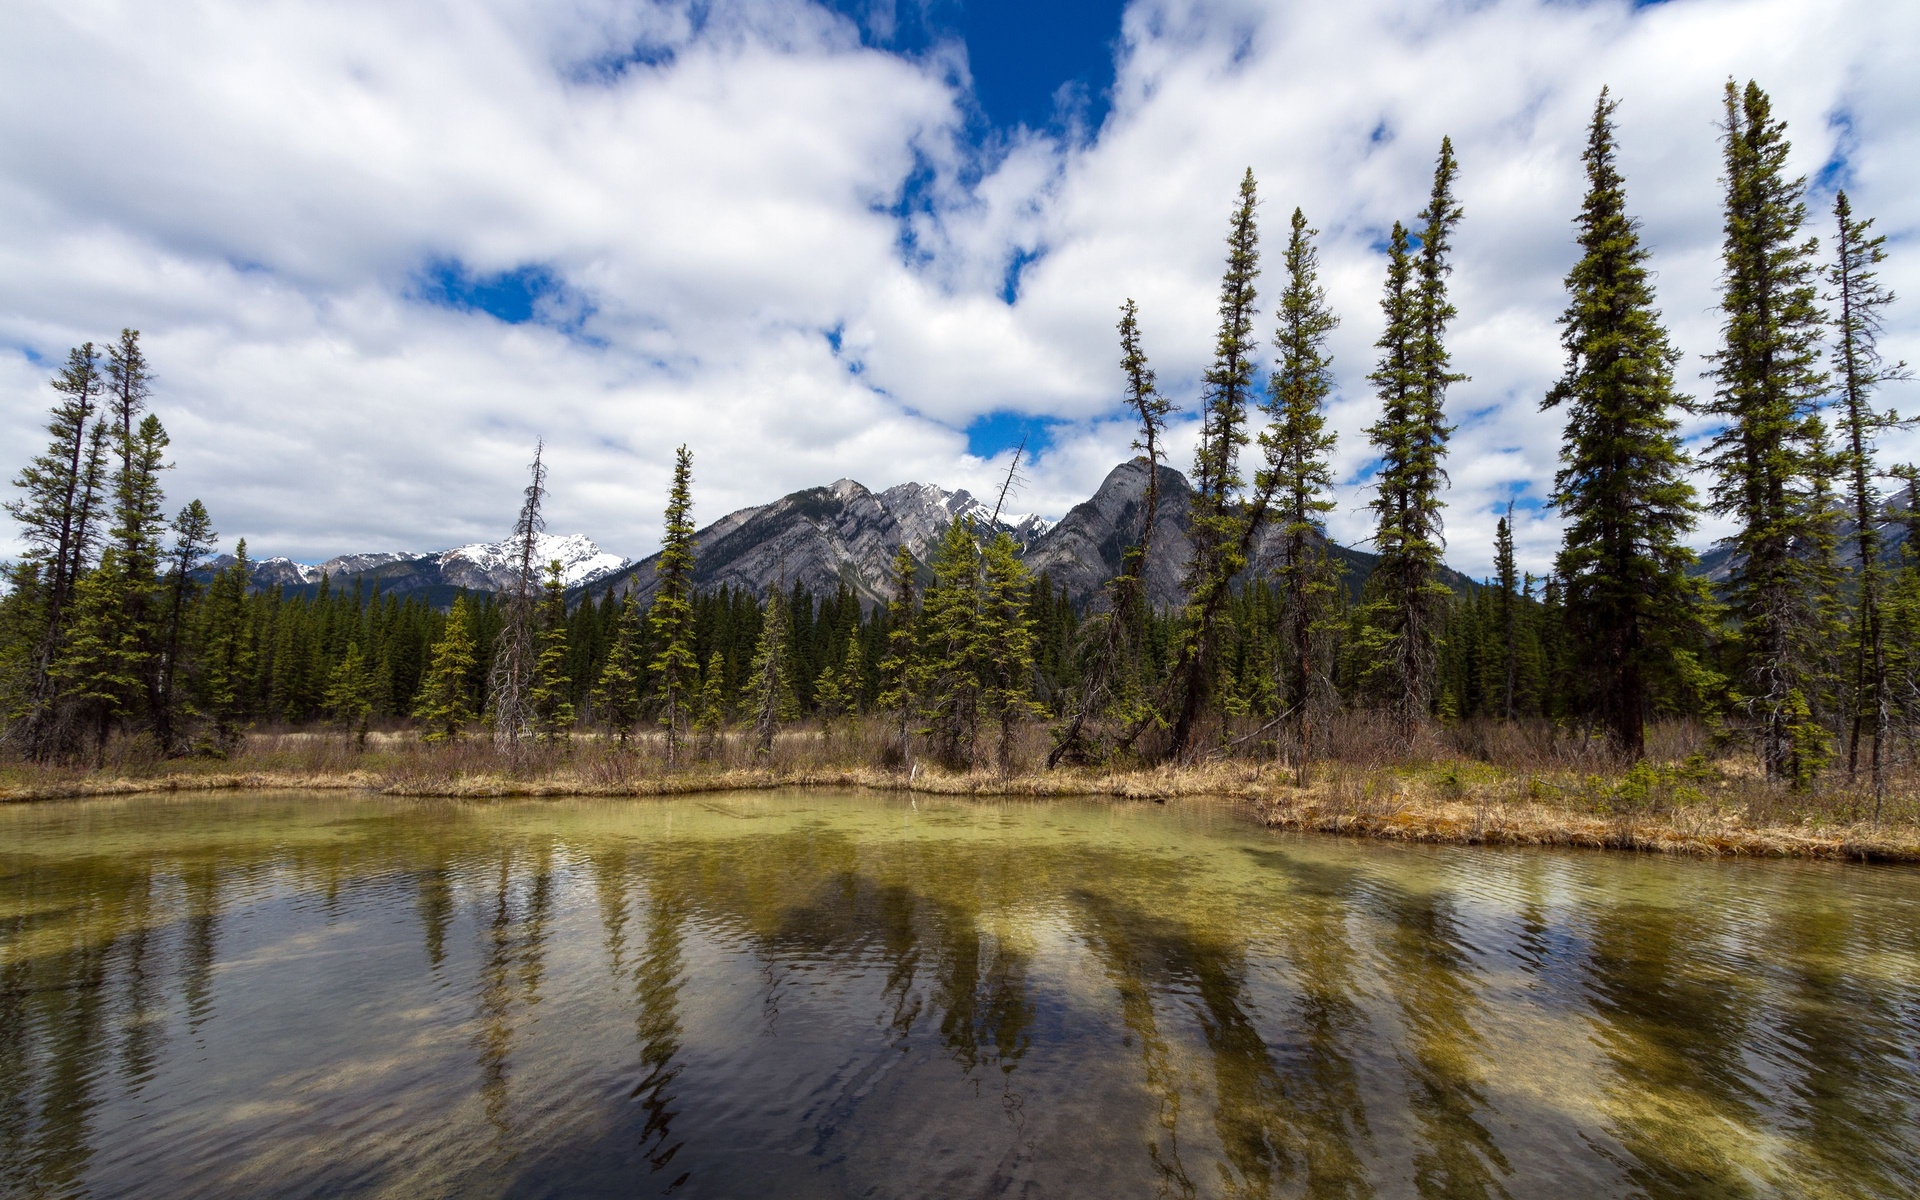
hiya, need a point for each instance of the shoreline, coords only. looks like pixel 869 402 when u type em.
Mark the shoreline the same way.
pixel 1693 830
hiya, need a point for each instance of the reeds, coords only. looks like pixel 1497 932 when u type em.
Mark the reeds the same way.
pixel 1476 782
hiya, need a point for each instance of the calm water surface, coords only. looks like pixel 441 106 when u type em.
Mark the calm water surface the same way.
pixel 815 995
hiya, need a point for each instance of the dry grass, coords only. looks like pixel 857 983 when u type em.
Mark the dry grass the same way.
pixel 1484 783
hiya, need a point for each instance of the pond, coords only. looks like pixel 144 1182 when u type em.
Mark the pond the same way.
pixel 812 994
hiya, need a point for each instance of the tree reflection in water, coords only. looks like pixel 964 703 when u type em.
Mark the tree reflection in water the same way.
pixel 820 995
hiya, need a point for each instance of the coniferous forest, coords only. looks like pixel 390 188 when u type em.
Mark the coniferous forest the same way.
pixel 1801 659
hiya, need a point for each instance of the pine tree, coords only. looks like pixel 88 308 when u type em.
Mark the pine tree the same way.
pixel 1218 525
pixel 350 693
pixel 1766 457
pixel 1629 599
pixel 1300 477
pixel 616 697
pixel 771 673
pixel 1859 298
pixel 897 696
pixel 674 667
pixel 446 704
pixel 551 697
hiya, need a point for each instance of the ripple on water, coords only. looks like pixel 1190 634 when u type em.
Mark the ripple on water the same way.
pixel 810 994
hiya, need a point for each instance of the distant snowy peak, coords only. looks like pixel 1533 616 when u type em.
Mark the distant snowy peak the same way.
pixel 581 561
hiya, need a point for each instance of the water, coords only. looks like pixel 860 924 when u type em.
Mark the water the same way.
pixel 823 995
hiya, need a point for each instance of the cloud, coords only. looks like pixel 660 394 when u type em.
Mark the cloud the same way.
pixel 378 249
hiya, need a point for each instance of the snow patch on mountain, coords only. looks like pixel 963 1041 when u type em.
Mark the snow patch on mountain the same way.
pixel 581 561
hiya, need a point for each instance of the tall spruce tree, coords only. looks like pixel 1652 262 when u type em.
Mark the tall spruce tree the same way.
pixel 676 671
pixel 1767 456
pixel 1219 525
pixel 1111 634
pixel 1858 299
pixel 1630 602
pixel 59 491
pixel 1299 475
pixel 1405 599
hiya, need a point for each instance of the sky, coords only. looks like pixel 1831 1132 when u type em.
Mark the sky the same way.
pixel 377 249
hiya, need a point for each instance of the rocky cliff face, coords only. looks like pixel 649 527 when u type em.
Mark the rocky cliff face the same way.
pixel 826 537
pixel 820 539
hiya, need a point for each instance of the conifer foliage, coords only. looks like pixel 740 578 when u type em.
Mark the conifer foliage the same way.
pixel 1299 475
pixel 1632 608
pixel 1858 298
pixel 1769 457
pixel 675 670
pixel 1408 601
pixel 1219 526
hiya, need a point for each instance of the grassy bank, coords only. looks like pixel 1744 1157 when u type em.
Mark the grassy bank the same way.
pixel 1499 787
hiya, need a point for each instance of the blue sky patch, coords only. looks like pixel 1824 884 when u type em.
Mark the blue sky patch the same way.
pixel 517 297
pixel 1021 55
pixel 998 432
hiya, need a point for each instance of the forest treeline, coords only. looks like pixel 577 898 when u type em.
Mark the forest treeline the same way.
pixel 1810 646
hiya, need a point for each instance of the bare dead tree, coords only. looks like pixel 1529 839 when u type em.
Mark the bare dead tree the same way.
pixel 511 680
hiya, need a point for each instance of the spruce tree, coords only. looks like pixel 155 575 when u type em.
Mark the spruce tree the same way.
pixel 1766 457
pixel 616 696
pixel 350 693
pixel 771 673
pixel 1858 298
pixel 711 723
pixel 947 673
pixel 193 539
pixel 675 669
pixel 1111 634
pixel 1299 476
pixel 1631 605
pixel 551 697
pixel 59 491
pixel 446 704
pixel 1004 634
pixel 225 661
pixel 897 696
pixel 1405 600
pixel 1219 526
pixel 1507 577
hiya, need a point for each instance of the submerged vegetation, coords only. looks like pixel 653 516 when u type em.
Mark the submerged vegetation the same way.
pixel 1390 704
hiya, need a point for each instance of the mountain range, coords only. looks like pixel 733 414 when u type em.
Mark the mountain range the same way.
pixel 825 537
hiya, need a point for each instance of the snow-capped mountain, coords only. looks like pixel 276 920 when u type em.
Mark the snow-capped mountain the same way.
pixel 580 560
pixel 481 567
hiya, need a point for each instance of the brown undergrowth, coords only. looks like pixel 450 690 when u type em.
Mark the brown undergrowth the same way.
pixel 1501 787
